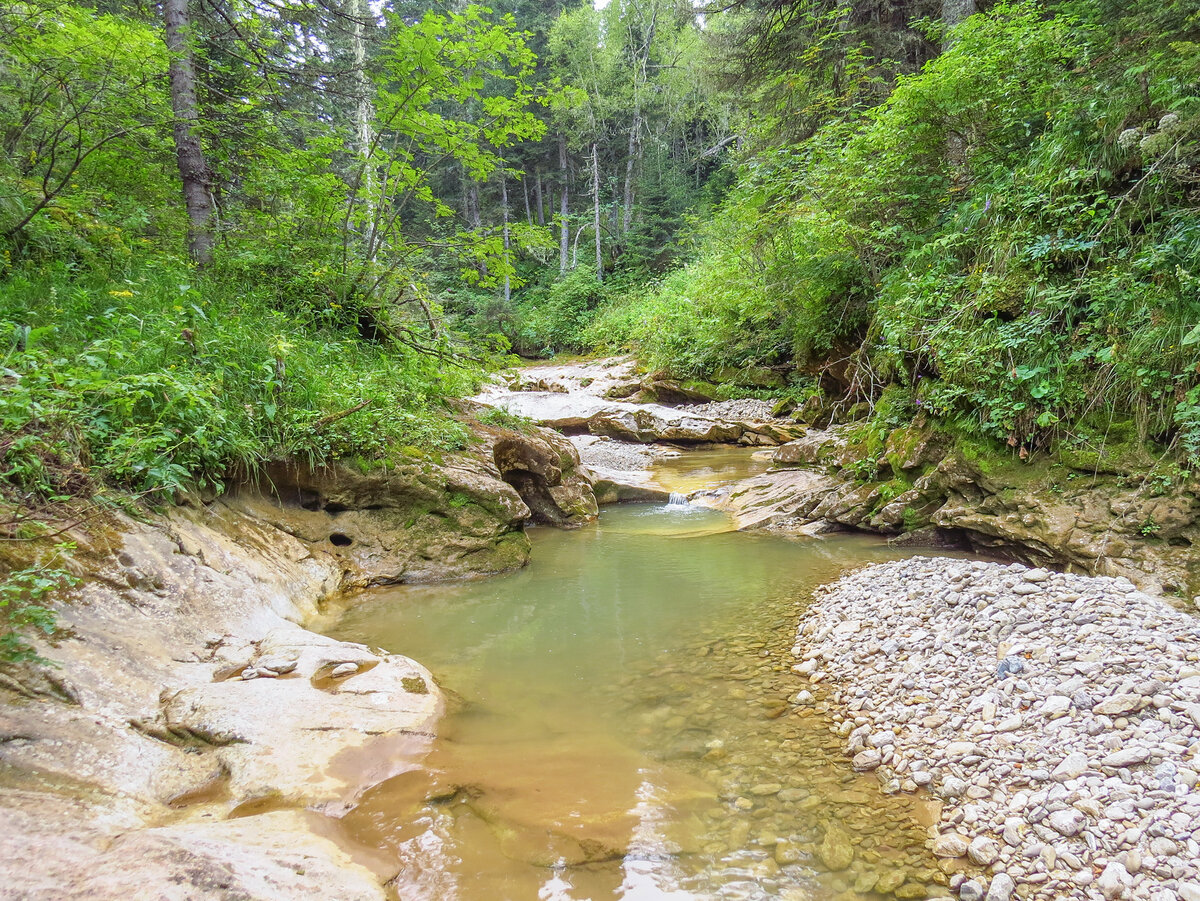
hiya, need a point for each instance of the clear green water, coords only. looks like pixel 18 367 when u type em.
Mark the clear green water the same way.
pixel 710 468
pixel 621 726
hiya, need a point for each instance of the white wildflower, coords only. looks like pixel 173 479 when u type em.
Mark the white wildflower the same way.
pixel 1128 138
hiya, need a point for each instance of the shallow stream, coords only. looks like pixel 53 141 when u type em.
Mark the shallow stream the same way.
pixel 623 723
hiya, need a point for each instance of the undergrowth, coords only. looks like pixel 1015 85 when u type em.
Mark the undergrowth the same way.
pixel 1012 237
pixel 158 384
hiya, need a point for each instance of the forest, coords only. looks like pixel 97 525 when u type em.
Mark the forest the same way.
pixel 238 231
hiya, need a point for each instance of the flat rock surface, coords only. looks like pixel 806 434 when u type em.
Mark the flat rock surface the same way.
pixel 575 397
pixel 269 857
pixel 1057 716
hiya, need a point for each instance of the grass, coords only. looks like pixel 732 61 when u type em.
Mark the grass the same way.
pixel 156 383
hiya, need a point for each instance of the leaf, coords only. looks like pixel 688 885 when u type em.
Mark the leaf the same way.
pixel 1192 337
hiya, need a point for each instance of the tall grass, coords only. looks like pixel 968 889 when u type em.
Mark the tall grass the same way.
pixel 156 381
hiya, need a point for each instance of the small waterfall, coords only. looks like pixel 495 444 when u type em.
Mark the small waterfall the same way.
pixel 677 500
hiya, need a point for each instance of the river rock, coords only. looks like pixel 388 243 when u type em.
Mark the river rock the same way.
pixel 1073 765
pixel 1127 757
pixel 983 851
pixel 639 423
pixel 835 851
pixel 950 845
pixel 1115 882
pixel 1118 704
pixel 1001 888
pixel 928 665
pixel 1067 822
pixel 868 759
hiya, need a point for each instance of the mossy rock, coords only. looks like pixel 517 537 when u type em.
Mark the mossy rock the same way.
pixel 750 377
pixel 915 448
pixel 1106 459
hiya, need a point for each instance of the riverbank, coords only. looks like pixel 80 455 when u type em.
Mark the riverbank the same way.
pixel 1056 716
pixel 191 737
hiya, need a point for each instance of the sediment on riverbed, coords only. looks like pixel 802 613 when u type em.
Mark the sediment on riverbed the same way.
pixel 1056 716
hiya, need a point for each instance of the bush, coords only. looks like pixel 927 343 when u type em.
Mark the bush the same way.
pixel 157 384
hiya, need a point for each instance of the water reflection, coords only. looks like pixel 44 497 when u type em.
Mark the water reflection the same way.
pixel 625 728
pixel 710 468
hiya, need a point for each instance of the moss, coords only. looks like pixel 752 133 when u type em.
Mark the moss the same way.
pixel 700 387
pixel 902 444
pixel 415 685
pixel 890 490
pixel 512 550
pixel 914 519
pixel 1105 457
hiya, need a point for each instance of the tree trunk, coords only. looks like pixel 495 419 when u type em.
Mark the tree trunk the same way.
pixel 471 211
pixel 955 12
pixel 194 170
pixel 631 157
pixel 596 207
pixel 537 194
pixel 528 209
pixel 364 114
pixel 565 240
pixel 504 219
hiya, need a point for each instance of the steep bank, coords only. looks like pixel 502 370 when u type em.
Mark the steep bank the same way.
pixel 193 737
pixel 1101 515
pixel 1056 717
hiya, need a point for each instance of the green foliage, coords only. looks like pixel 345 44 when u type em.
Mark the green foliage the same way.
pixel 1011 235
pixel 505 419
pixel 87 116
pixel 556 317
pixel 157 385
pixel 24 598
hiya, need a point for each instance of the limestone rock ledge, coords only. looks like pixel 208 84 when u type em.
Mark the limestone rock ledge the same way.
pixel 925 492
pixel 194 740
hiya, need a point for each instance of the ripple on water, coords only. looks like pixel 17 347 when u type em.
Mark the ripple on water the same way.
pixel 627 728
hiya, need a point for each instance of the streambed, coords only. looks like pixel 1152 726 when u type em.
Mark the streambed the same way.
pixel 626 724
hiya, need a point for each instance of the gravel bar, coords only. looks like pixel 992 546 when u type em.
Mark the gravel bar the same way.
pixel 1056 716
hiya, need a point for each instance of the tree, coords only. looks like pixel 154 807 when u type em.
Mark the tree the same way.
pixel 195 174
pixel 82 107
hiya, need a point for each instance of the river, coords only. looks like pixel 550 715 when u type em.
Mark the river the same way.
pixel 624 722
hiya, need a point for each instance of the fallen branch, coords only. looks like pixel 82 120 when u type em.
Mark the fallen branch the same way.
pixel 329 420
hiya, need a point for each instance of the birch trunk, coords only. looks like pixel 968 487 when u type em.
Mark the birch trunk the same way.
pixel 364 115
pixel 537 195
pixel 631 157
pixel 504 219
pixel 565 239
pixel 596 208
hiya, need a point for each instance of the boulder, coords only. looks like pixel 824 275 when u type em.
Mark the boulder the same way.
pixel 672 392
pixel 815 448
pixel 544 469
